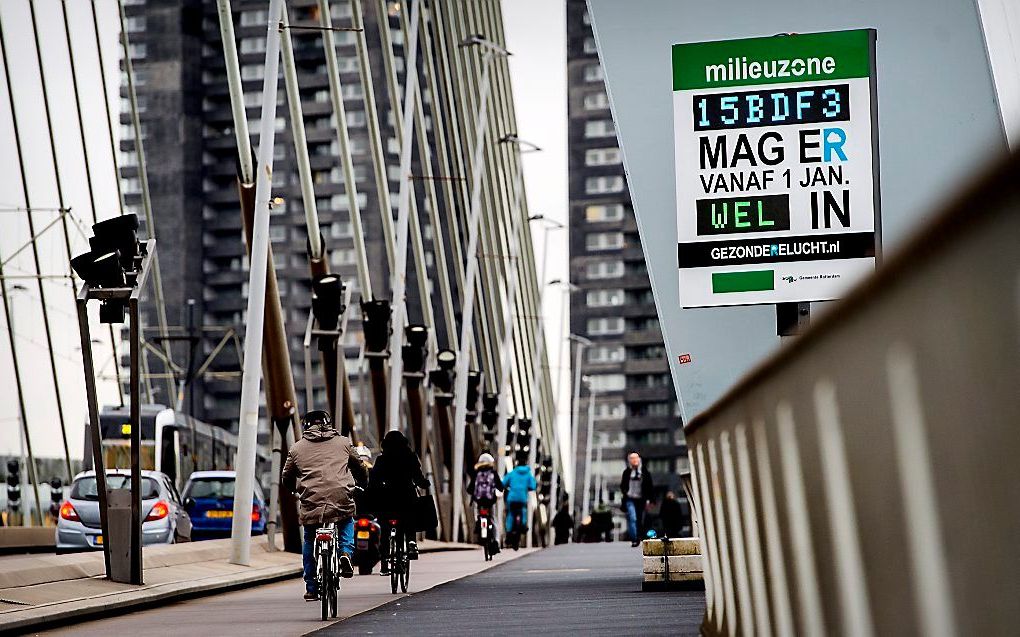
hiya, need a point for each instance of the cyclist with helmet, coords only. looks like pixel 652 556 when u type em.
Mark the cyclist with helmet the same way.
pixel 322 469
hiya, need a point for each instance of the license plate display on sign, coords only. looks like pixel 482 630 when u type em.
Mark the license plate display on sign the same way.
pixel 776 167
pixel 219 514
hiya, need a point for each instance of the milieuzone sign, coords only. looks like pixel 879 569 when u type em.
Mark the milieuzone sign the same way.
pixel 776 167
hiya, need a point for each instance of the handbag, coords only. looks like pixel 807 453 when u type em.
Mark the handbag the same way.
pixel 425 516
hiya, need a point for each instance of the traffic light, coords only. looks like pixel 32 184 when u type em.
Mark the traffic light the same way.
pixel 474 386
pixel 544 478
pixel 511 434
pixel 114 261
pixel 376 325
pixel 56 496
pixel 327 306
pixel 442 379
pixel 413 352
pixel 490 416
pixel 522 446
pixel 13 485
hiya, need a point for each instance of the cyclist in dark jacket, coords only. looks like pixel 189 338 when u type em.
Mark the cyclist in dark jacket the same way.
pixel 396 473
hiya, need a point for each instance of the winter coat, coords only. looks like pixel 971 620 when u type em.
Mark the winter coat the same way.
pixel 321 469
pixel 518 483
pixel 647 487
pixel 394 476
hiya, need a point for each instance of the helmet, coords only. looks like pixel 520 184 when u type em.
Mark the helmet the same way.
pixel 316 418
pixel 486 458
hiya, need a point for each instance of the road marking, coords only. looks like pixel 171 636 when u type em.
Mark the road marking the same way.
pixel 558 570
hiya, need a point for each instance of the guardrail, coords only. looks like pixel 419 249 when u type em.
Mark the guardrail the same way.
pixel 866 479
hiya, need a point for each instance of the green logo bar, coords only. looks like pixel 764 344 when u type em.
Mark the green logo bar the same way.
pixel 753 281
pixel 771 60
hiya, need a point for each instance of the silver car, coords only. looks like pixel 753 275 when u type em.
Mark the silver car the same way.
pixel 164 520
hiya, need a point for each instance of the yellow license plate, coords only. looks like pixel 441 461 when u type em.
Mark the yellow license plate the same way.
pixel 362 535
pixel 99 540
pixel 219 514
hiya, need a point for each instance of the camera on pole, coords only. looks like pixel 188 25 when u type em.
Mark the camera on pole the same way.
pixel 441 379
pixel 14 485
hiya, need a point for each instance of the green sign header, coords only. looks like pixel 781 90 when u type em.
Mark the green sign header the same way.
pixel 778 59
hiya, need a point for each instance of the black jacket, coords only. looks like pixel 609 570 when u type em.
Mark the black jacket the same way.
pixel 396 473
pixel 647 486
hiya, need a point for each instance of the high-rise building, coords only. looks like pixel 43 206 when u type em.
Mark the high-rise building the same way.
pixel 627 370
pixel 191 158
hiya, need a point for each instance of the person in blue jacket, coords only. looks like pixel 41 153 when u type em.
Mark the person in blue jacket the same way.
pixel 517 484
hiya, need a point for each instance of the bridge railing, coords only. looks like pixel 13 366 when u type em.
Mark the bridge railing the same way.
pixel 866 479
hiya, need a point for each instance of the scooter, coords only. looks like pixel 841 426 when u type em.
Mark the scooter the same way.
pixel 366 544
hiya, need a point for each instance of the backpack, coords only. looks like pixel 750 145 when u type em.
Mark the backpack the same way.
pixel 485 485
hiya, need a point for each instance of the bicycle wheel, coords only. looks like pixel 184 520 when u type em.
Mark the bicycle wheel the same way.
pixel 325 584
pixel 405 574
pixel 334 602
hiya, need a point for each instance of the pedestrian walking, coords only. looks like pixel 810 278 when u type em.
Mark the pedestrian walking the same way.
pixel 563 524
pixel 636 486
pixel 671 514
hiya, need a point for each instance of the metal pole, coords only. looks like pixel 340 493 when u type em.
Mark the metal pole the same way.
pixel 95 435
pixel 586 498
pixel 249 412
pixel 237 109
pixel 574 420
pixel 509 320
pixel 136 443
pixel 398 277
pixel 468 305
pixel 297 131
pixel 344 147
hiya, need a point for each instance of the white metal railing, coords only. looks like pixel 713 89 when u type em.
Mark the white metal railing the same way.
pixel 865 480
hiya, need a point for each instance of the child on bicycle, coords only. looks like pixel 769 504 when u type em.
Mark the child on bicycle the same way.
pixel 322 469
pixel 518 483
pixel 483 485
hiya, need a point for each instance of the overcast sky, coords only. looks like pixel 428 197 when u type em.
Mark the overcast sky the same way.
pixel 535 35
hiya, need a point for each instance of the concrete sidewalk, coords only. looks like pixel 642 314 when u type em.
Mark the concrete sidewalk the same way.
pixel 44 590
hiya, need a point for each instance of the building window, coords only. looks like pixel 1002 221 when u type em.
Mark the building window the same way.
pixel 253 45
pixel 606 354
pixel 603 241
pixel 341 10
pixel 605 298
pixel 593 73
pixel 596 101
pixel 254 18
pixel 605 270
pixel 605 326
pixel 599 128
pixel 252 72
pixel 352 91
pixel 603 157
pixel 134 23
pixel 137 50
pixel 603 212
pixel 609 411
pixel 607 382
pixel 585 18
pixel 277 233
pixel 589 45
pixel 603 185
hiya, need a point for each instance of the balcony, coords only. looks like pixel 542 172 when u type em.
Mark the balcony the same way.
pixel 646 366
pixel 643 337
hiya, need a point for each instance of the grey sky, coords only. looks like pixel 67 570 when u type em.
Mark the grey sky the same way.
pixel 535 34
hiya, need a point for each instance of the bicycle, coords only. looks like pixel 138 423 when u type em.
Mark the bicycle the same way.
pixel 487 533
pixel 399 558
pixel 327 571
pixel 517 513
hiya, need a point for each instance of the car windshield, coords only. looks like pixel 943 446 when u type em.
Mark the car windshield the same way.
pixel 86 489
pixel 210 488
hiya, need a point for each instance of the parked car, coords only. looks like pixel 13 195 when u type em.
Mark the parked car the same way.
pixel 209 500
pixel 164 520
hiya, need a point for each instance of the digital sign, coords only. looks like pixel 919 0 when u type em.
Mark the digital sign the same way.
pixel 776 167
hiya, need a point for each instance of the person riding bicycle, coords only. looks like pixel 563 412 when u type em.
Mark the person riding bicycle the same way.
pixel 322 469
pixel 483 485
pixel 517 484
pixel 396 473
